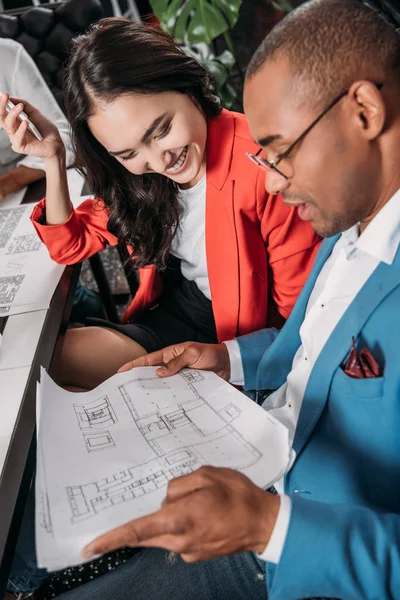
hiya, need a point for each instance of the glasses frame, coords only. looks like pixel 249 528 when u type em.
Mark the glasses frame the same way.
pixel 272 165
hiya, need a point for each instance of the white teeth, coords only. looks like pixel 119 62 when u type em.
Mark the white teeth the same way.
pixel 179 162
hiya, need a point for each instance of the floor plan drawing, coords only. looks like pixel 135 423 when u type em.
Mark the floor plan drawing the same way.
pixel 87 500
pixel 15 264
pixel 183 433
pixel 166 422
pixel 9 220
pixel 98 413
pixel 28 242
pixel 101 440
pixel 9 287
pixel 108 455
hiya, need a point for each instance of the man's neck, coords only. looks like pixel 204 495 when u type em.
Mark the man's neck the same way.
pixel 386 194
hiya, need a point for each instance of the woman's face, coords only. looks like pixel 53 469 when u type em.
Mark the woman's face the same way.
pixel 162 133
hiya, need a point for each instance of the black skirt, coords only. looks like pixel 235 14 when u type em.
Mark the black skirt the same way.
pixel 183 314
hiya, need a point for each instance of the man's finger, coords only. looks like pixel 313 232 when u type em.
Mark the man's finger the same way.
pixel 186 484
pixel 148 360
pixel 138 532
pixel 176 364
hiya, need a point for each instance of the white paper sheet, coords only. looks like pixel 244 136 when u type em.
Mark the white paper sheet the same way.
pixel 28 276
pixel 12 200
pixel 12 387
pixel 106 456
pixel 4 443
pixel 20 339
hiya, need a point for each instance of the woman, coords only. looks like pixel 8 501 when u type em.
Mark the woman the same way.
pixel 170 168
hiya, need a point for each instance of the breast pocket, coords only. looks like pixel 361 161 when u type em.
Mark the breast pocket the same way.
pixel 372 387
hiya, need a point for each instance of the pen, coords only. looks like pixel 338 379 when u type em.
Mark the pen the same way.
pixel 24 117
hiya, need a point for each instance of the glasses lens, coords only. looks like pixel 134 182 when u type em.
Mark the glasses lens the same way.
pixel 264 164
pixel 252 158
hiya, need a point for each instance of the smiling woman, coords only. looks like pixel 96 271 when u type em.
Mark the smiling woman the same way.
pixel 169 172
pixel 131 93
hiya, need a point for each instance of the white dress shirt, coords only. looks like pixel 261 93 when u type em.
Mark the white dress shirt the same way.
pixel 20 77
pixel 189 244
pixel 353 260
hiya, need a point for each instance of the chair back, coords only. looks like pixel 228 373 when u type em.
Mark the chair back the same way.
pixel 46 32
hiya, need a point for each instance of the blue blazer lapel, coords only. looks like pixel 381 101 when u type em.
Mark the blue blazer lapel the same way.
pixel 384 280
pixel 277 360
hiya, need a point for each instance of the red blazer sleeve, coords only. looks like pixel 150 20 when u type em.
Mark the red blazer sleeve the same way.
pixel 81 236
pixel 291 246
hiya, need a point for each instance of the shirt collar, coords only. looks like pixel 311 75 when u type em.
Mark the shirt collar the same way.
pixel 381 238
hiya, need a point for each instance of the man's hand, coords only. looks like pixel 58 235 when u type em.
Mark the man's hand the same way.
pixel 211 512
pixel 209 357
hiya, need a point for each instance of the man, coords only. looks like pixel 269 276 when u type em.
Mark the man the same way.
pixel 322 96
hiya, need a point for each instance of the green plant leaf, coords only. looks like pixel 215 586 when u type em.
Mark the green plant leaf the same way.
pixel 196 20
pixel 219 66
pixel 284 6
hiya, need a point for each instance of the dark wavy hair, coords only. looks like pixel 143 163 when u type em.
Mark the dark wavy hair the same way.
pixel 117 56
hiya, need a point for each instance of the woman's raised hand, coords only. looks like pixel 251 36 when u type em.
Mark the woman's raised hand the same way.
pixel 22 140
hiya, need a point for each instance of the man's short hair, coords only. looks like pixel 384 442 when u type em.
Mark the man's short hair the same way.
pixel 329 45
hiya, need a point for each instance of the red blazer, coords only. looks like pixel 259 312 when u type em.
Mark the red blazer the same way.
pixel 259 253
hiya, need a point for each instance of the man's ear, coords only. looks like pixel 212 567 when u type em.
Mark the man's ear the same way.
pixel 368 108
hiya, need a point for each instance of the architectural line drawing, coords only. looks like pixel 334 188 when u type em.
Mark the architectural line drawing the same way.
pixel 96 414
pixel 9 287
pixel 9 219
pixel 191 376
pixel 230 412
pixel 99 440
pixel 45 514
pixel 181 434
pixel 120 446
pixel 88 500
pixel 28 242
pixel 15 264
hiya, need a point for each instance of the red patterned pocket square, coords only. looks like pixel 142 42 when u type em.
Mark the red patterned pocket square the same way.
pixel 361 365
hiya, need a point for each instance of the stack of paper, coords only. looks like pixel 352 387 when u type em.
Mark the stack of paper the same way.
pixel 105 457
pixel 28 276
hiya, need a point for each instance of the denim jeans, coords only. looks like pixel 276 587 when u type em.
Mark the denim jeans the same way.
pixel 154 574
pixel 25 576
pixel 150 574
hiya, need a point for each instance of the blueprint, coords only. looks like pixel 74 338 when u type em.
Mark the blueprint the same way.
pixel 106 456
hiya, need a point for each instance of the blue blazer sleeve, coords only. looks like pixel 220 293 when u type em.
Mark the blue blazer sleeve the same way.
pixel 252 348
pixel 339 551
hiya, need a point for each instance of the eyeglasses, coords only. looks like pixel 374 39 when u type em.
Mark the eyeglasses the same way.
pixel 271 165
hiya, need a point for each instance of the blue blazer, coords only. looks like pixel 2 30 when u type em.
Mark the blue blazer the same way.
pixel 343 539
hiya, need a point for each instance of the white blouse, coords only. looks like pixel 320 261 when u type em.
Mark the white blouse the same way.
pixel 189 244
pixel 20 77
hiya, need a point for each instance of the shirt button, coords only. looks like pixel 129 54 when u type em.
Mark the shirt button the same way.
pixel 322 304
